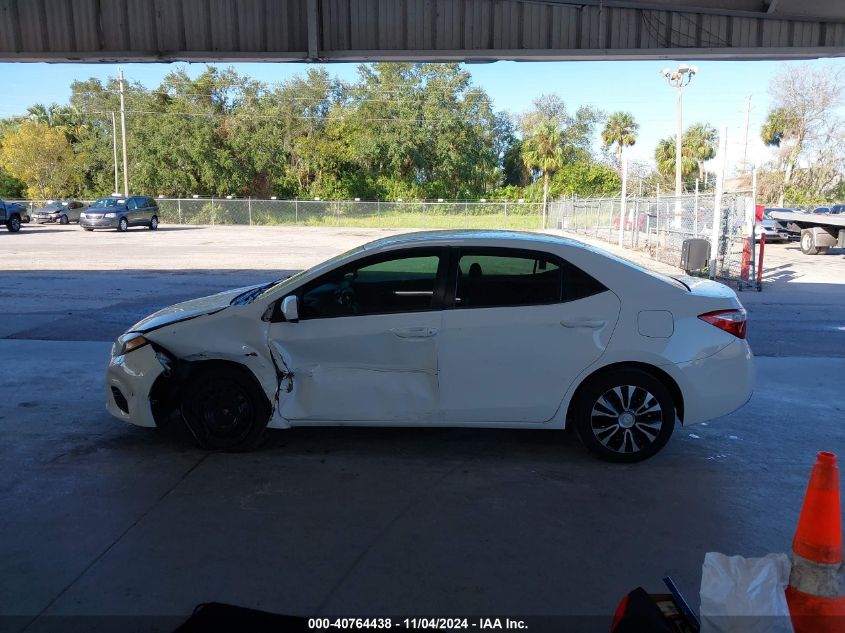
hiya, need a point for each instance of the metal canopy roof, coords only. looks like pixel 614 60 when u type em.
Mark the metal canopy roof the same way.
pixel 428 30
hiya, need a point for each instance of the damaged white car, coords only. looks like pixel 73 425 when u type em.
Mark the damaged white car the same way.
pixel 445 328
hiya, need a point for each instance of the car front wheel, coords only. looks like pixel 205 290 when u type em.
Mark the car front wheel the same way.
pixel 224 409
pixel 63 220
pixel 625 415
pixel 13 224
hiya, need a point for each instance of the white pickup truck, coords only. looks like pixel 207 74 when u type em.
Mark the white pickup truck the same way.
pixel 819 231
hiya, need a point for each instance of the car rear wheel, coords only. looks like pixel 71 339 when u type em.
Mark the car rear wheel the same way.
pixel 224 409
pixel 625 415
pixel 153 223
pixel 13 224
pixel 123 225
pixel 63 220
pixel 808 243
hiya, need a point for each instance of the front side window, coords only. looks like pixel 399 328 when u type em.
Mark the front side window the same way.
pixel 488 280
pixel 400 284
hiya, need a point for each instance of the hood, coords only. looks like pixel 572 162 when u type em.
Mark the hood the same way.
pixel 189 310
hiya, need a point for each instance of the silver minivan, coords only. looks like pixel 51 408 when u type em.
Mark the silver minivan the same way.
pixel 118 212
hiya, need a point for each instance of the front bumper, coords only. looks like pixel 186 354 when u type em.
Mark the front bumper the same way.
pixel 129 379
pixel 45 219
pixel 104 223
pixel 717 385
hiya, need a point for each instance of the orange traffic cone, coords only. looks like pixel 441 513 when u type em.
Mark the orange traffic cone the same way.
pixel 816 591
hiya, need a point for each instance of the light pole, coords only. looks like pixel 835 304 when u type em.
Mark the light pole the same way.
pixel 678 79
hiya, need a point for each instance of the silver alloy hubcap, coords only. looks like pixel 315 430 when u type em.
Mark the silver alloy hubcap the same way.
pixel 626 419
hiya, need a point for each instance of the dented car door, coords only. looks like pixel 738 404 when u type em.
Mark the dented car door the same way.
pixel 364 348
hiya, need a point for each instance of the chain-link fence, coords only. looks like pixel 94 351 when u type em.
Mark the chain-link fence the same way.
pixel 346 213
pixel 661 225
pixel 343 213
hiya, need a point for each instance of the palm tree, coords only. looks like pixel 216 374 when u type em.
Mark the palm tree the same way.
pixel 664 155
pixel 620 130
pixel 543 150
pixel 700 141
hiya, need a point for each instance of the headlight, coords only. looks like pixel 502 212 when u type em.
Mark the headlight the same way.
pixel 128 342
pixel 111 215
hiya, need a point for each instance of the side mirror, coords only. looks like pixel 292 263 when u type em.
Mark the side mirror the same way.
pixel 290 308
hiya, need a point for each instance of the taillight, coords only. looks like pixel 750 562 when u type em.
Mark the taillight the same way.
pixel 731 321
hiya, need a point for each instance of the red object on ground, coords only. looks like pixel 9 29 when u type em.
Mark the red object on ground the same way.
pixel 815 602
pixel 746 259
pixel 760 262
pixel 758 211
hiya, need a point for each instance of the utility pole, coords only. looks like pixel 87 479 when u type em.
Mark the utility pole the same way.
pixel 745 143
pixel 678 79
pixel 123 133
pixel 114 147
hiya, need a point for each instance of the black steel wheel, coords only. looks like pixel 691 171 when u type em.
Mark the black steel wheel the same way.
pixel 625 415
pixel 224 409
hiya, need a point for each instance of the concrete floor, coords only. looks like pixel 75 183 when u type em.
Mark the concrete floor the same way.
pixel 102 519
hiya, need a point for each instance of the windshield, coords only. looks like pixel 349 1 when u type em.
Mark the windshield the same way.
pixel 107 203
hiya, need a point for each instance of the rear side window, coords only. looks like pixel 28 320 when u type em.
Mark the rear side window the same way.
pixel 490 280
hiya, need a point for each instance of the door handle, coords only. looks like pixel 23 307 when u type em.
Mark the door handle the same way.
pixel 415 332
pixel 592 324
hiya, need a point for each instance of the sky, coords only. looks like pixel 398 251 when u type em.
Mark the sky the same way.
pixel 716 95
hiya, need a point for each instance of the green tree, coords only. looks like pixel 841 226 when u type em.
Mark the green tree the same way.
pixel 700 140
pixel 543 150
pixel 42 158
pixel 664 156
pixel 620 130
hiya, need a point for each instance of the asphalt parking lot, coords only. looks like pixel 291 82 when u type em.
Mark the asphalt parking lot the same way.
pixel 102 519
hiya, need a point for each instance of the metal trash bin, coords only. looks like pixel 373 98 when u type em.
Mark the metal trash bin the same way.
pixel 695 254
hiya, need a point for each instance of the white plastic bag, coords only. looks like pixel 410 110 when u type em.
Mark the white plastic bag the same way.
pixel 745 595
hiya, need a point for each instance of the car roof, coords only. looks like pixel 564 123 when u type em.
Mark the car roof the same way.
pixel 474 237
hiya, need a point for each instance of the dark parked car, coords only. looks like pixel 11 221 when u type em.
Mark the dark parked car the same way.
pixel 118 212
pixel 13 215
pixel 61 211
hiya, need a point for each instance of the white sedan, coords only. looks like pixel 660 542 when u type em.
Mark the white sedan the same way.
pixel 445 328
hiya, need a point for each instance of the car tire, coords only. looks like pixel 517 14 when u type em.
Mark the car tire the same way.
pixel 153 223
pixel 808 243
pixel 628 400
pixel 123 225
pixel 86 229
pixel 64 220
pixel 823 250
pixel 224 409
pixel 13 224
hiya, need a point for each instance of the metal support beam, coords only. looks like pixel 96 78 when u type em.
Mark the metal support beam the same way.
pixel 313 31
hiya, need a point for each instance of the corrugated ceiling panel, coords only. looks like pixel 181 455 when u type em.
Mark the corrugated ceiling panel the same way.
pixel 535 26
pixel 33 32
pixel 449 26
pixel 683 30
pixel 776 33
pixel 805 34
pixel 58 20
pixel 477 24
pixel 251 25
pixel 86 25
pixel 835 35
pixel 142 25
pixel 593 28
pixel 197 25
pixel 170 26
pixel 224 25
pixel 391 35
pixel 566 22
pixel 8 23
pixel 506 19
pixel 744 32
pixel 363 33
pixel 625 29
pixel 654 31
pixel 335 23
pixel 715 31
